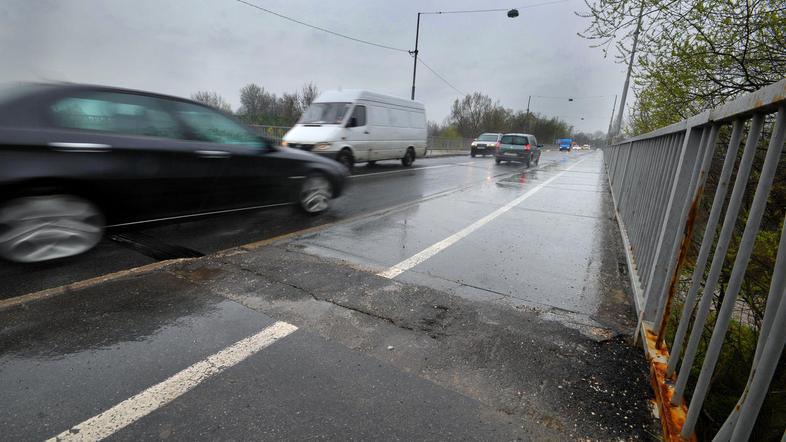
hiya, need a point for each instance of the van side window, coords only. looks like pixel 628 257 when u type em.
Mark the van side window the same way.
pixel 359 114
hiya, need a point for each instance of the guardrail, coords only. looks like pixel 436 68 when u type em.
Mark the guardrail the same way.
pixel 657 183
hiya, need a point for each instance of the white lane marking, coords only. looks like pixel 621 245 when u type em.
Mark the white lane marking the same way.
pixel 400 171
pixel 432 250
pixel 134 408
pixel 409 170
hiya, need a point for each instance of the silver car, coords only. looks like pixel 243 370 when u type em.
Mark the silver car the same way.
pixel 486 144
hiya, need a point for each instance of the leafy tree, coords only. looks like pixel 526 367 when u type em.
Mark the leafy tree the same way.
pixel 692 54
pixel 477 113
pixel 212 99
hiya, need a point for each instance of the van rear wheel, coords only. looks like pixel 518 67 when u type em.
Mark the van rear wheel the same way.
pixel 409 158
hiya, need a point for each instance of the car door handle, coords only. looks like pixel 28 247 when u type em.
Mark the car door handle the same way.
pixel 213 153
pixel 365 132
pixel 80 147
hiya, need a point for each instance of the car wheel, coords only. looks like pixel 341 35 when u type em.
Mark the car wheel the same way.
pixel 526 163
pixel 371 163
pixel 315 193
pixel 472 154
pixel 345 157
pixel 538 160
pixel 46 227
pixel 497 160
pixel 409 158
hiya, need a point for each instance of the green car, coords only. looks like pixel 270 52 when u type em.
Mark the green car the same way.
pixel 520 148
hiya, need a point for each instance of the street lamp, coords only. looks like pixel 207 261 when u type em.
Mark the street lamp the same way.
pixel 512 13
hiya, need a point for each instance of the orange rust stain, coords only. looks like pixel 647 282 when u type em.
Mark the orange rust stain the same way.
pixel 686 237
pixel 672 417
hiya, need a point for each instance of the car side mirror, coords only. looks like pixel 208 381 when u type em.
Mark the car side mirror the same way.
pixel 540 145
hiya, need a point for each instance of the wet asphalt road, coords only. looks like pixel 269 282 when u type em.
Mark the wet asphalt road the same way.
pixel 385 185
pixel 505 319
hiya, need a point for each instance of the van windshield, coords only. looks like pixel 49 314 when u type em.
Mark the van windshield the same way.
pixel 324 113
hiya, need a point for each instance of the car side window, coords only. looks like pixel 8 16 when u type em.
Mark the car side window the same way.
pixel 127 114
pixel 533 141
pixel 359 114
pixel 206 124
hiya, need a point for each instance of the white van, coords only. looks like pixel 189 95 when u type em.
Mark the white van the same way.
pixel 354 126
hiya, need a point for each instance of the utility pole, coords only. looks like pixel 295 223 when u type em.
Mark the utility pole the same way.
pixel 618 124
pixel 526 117
pixel 415 53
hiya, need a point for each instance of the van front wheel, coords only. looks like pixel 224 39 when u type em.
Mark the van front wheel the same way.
pixel 409 158
pixel 345 157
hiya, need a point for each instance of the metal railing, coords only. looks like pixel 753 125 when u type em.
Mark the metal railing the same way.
pixel 657 182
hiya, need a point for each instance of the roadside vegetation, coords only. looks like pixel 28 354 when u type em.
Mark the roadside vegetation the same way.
pixel 694 55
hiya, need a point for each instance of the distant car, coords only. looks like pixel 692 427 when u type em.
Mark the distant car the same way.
pixel 354 126
pixel 585 147
pixel 77 159
pixel 485 144
pixel 521 148
pixel 565 144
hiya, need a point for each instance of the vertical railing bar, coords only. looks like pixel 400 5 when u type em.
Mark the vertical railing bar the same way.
pixel 684 225
pixel 630 177
pixel 631 202
pixel 652 194
pixel 706 243
pixel 663 215
pixel 738 270
pixel 670 154
pixel 768 350
pixel 775 297
pixel 621 185
pixel 718 258
pixel 645 191
pixel 657 176
pixel 664 221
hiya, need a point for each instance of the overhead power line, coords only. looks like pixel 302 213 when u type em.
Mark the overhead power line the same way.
pixel 420 60
pixel 337 34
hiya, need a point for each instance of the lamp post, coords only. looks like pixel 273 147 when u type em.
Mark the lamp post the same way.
pixel 512 13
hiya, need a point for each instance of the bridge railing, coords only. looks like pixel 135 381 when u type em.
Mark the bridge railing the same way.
pixel 657 182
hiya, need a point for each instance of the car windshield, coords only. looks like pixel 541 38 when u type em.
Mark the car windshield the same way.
pixel 488 137
pixel 324 113
pixel 514 139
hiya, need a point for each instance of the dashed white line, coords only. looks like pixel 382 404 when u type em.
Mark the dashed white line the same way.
pixel 432 250
pixel 136 407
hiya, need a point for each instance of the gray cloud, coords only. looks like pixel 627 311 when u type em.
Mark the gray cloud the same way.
pixel 181 46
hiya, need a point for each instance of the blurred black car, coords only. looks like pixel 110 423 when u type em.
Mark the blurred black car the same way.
pixel 76 159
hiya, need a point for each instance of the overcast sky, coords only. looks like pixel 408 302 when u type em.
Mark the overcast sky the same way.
pixel 181 46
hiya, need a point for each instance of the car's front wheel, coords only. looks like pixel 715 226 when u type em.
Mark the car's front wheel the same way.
pixel 315 193
pixel 45 227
